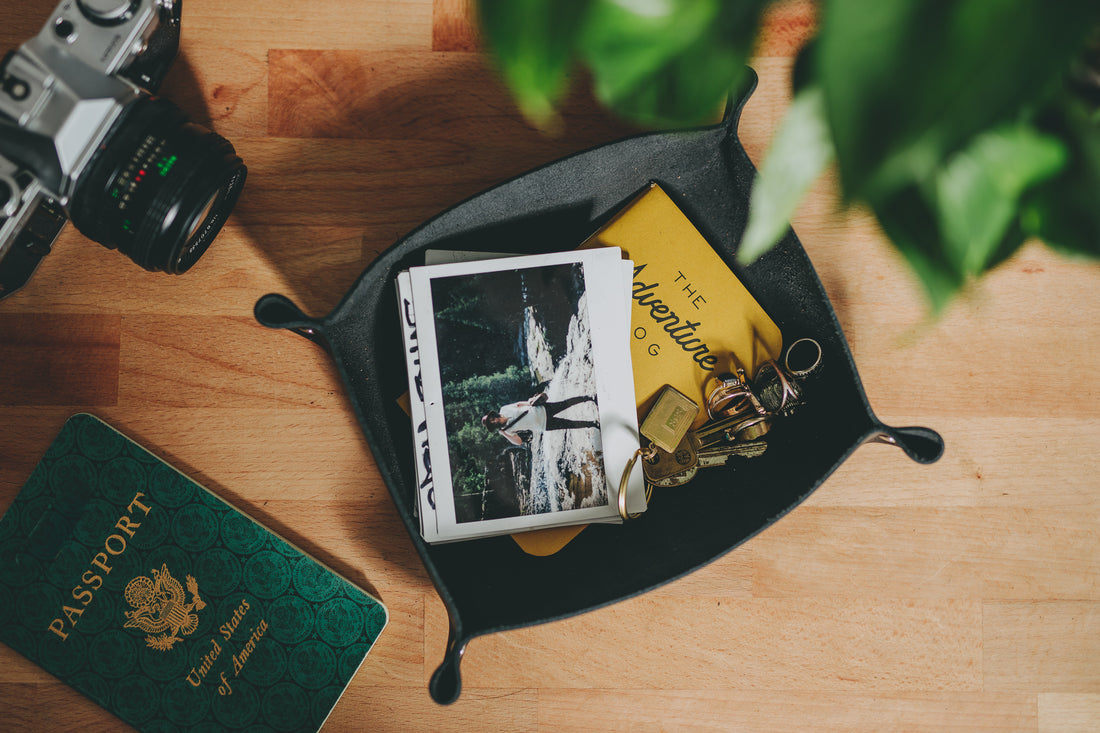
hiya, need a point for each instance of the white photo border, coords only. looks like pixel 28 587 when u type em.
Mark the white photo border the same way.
pixel 615 395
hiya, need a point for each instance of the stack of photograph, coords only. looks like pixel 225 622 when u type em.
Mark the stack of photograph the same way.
pixel 521 391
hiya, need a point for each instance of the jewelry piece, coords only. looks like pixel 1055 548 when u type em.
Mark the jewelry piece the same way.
pixel 648 453
pixel 730 394
pixel 778 393
pixel 806 355
pixel 740 412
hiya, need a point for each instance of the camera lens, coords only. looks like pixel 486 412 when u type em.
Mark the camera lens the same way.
pixel 159 188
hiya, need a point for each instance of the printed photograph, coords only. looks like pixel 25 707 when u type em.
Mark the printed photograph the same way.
pixel 519 392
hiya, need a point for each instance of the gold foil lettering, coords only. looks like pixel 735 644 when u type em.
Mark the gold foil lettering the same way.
pixel 113 546
pixel 91 580
pixel 249 647
pixel 138 504
pixel 121 540
pixel 126 525
pixel 100 561
pixel 196 676
pixel 231 625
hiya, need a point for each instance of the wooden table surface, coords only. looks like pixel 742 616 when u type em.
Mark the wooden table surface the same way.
pixel 959 596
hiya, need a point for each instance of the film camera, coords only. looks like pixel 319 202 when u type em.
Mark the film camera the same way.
pixel 82 136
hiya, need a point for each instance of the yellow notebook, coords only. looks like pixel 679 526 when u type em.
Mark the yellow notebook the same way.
pixel 691 318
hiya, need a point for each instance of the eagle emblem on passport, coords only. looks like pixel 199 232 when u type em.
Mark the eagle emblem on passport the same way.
pixel 160 607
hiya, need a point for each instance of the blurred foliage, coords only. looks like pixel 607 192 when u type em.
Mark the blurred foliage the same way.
pixel 967 127
pixel 471 446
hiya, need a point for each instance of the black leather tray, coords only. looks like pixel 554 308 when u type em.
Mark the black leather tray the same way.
pixel 490 585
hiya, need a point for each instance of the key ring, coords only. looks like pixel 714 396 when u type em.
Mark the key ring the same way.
pixel 647 453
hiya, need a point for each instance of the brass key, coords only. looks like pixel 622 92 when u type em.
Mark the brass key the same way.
pixel 743 427
pixel 666 425
pixel 669 419
pixel 741 414
pixel 664 459
pixel 662 464
pixel 714 455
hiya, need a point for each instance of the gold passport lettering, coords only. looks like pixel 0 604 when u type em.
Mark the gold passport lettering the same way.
pixel 91 581
pixel 198 674
pixel 249 646
pixel 231 625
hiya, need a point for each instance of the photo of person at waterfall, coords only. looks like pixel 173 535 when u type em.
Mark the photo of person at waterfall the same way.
pixel 522 370
pixel 515 356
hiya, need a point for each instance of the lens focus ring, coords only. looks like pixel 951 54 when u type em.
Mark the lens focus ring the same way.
pixel 159 189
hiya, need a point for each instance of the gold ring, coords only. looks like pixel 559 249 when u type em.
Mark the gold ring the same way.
pixel 805 370
pixel 723 394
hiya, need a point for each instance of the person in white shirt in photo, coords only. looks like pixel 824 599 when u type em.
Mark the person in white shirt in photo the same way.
pixel 534 416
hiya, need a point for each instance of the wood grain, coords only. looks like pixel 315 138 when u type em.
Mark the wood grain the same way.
pixel 961 596
pixel 771 712
pixel 1049 645
pixel 59 360
pixel 453 28
pixel 833 644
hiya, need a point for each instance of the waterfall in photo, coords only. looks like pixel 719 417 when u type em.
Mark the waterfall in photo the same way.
pixel 566 465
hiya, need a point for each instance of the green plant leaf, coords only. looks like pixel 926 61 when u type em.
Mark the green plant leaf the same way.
pixel 966 218
pixel 911 225
pixel 533 43
pixel 668 62
pixel 977 193
pixel 908 82
pixel 799 153
pixel 1064 212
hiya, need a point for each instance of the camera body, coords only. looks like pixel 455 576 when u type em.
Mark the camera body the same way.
pixel 82 136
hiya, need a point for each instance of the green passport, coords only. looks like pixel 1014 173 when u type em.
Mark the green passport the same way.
pixel 164 604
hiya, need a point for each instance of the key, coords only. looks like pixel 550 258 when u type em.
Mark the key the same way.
pixel 742 427
pixel 713 455
pixel 662 464
pixel 717 455
pixel 669 419
pixel 712 439
pixel 711 445
pixel 741 414
pixel 666 426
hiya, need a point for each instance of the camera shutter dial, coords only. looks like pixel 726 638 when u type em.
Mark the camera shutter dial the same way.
pixel 107 12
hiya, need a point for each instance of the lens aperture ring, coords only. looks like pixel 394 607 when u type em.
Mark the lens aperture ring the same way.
pixel 159 189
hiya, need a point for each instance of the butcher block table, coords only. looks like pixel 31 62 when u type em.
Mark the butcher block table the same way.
pixel 964 595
